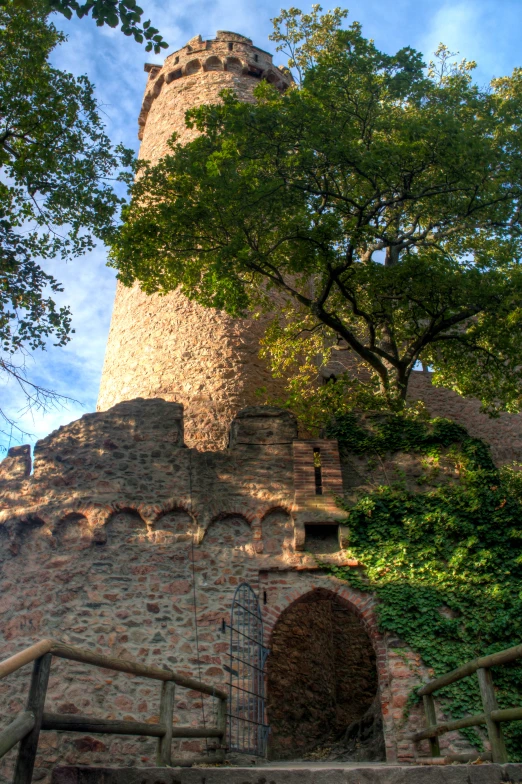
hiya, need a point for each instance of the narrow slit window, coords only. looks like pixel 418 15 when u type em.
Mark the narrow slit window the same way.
pixel 318 472
pixel 230 47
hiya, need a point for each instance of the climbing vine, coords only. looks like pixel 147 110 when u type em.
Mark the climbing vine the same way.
pixel 445 564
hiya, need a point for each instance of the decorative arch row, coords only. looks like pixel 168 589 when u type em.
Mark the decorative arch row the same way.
pixel 91 523
pixel 215 63
pixel 212 63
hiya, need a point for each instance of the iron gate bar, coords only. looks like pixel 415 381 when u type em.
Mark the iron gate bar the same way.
pixel 249 665
pixel 248 731
pixel 251 721
pixel 245 636
pixel 246 608
pixel 247 691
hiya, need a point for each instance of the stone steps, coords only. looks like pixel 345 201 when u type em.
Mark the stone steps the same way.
pixel 355 773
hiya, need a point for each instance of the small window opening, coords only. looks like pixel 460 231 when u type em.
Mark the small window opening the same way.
pixel 176 61
pixel 256 58
pixel 322 539
pixel 265 600
pixel 318 472
pixel 230 47
pixel 223 626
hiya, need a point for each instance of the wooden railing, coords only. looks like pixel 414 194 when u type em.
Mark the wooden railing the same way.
pixel 25 729
pixel 492 717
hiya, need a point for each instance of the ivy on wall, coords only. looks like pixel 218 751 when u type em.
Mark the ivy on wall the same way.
pixel 446 564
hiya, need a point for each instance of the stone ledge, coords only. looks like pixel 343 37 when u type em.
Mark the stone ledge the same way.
pixel 357 773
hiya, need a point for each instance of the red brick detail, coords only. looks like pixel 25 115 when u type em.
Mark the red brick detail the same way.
pixel 304 476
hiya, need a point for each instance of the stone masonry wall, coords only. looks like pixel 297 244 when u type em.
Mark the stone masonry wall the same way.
pixel 104 544
pixel 168 346
pixel 503 433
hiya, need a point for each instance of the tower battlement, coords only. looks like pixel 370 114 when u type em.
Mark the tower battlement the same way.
pixel 229 53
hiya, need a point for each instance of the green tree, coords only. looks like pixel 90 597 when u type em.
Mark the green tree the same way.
pixel 379 197
pixel 110 12
pixel 57 168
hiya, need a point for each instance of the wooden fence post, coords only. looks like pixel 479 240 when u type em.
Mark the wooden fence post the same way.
pixel 431 721
pixel 489 701
pixel 221 723
pixel 35 704
pixel 164 752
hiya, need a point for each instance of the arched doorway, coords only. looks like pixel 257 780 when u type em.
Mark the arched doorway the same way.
pixel 322 687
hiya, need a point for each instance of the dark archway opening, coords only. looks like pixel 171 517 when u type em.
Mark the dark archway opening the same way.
pixel 322 687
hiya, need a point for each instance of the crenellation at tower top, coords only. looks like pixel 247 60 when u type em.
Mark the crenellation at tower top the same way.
pixel 228 52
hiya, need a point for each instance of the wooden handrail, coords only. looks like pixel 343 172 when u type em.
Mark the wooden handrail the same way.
pixel 504 714
pixel 14 732
pixel 71 652
pixel 74 723
pixel 133 668
pixel 449 726
pixel 484 662
pixel 492 716
pixel 67 722
pixel 26 656
pixel 507 714
pixel 25 729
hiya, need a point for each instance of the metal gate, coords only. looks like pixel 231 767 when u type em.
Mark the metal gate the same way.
pixel 248 731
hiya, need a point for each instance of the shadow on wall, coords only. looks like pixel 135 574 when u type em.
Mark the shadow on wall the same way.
pixel 322 682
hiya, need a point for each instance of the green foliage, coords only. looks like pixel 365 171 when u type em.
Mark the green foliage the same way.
pixel 446 565
pixel 57 169
pixel 379 202
pixel 110 12
pixel 381 434
pixel 302 37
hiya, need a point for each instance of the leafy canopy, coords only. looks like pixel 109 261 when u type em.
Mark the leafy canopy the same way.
pixel 110 12
pixel 56 185
pixel 379 198
pixel 446 564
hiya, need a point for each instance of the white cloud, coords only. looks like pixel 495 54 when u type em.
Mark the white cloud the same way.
pixel 486 31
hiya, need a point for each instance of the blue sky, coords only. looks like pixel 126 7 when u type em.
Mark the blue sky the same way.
pixel 487 31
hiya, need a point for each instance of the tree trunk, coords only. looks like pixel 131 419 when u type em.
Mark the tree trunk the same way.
pixel 394 387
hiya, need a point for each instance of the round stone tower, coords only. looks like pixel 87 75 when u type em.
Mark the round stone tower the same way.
pixel 166 346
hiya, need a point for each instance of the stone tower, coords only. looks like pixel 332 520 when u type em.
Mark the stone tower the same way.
pixel 166 346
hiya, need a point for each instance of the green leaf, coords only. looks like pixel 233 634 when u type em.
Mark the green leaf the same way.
pixel 112 20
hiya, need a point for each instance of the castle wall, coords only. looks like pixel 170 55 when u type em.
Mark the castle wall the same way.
pixel 502 433
pixel 104 545
pixel 167 346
